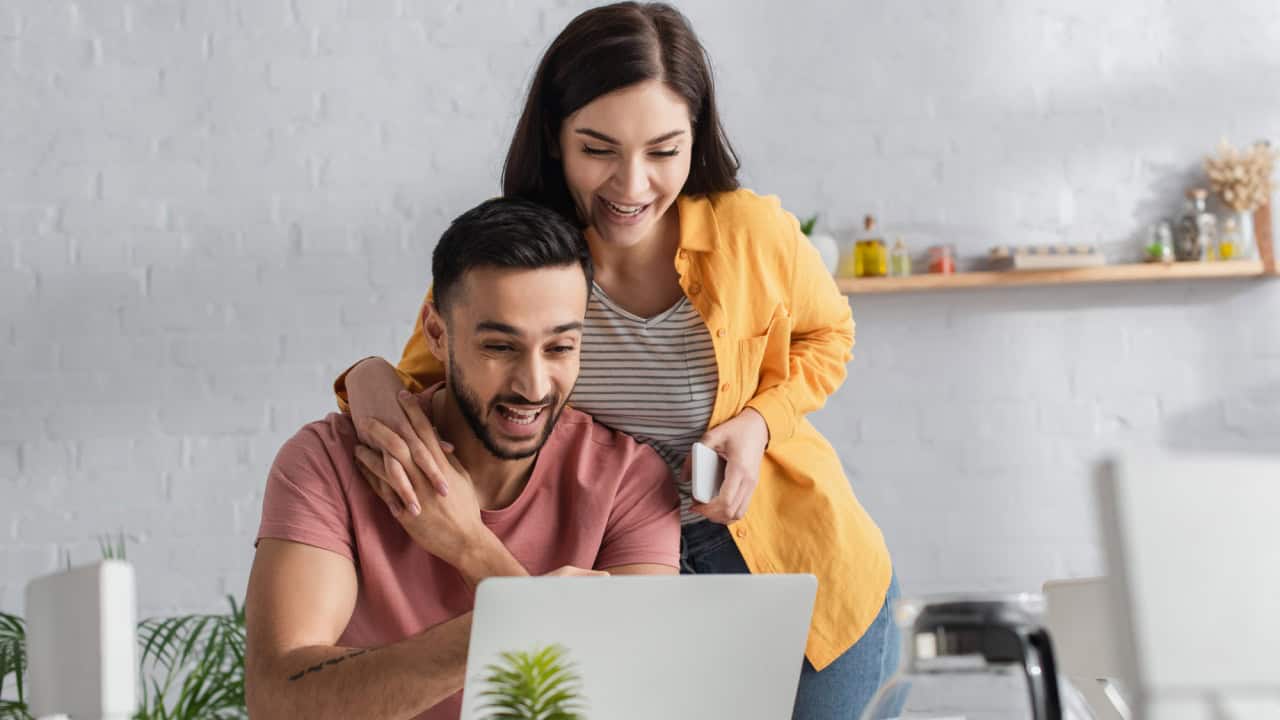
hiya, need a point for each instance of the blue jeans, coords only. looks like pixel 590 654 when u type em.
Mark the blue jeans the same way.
pixel 845 687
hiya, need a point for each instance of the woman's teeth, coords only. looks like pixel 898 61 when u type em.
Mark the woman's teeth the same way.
pixel 625 209
pixel 520 417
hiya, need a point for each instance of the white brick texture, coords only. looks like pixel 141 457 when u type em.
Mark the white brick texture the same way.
pixel 207 209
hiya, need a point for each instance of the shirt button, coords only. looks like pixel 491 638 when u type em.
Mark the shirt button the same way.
pixel 720 332
pixel 724 387
pixel 740 532
pixel 694 288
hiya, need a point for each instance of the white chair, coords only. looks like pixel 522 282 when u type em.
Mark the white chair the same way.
pixel 1193 545
pixel 81 643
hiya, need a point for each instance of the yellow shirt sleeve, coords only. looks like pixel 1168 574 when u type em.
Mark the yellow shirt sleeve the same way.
pixel 822 332
pixel 418 368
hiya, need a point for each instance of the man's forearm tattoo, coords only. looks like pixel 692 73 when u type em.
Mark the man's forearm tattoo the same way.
pixel 327 663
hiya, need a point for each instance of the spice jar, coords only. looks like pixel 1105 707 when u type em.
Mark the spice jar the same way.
pixel 942 260
pixel 1160 246
pixel 899 260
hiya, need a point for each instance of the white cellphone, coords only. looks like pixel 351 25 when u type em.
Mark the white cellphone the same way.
pixel 707 471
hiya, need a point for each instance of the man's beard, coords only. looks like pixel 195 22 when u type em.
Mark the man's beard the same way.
pixel 470 406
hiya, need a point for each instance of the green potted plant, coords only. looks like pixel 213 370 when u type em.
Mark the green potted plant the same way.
pixel 537 685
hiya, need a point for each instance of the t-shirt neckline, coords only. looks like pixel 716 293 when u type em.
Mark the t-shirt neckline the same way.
pixel 649 322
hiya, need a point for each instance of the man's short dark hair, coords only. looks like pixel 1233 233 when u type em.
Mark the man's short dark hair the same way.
pixel 505 233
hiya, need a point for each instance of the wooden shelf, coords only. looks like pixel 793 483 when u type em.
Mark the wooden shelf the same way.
pixel 1139 272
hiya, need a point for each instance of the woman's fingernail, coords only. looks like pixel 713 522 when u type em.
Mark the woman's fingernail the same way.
pixel 446 446
pixel 415 509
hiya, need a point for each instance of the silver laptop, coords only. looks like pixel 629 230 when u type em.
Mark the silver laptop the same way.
pixel 671 647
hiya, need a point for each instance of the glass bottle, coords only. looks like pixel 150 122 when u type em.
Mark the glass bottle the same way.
pixel 899 260
pixel 1229 244
pixel 1160 246
pixel 1207 225
pixel 1189 243
pixel 872 257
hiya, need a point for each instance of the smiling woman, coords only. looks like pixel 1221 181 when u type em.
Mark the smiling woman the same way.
pixel 711 318
pixel 624 184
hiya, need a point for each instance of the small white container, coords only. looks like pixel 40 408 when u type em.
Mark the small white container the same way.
pixel 82 642
pixel 828 249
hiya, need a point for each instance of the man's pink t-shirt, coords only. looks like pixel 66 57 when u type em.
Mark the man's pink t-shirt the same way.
pixel 595 499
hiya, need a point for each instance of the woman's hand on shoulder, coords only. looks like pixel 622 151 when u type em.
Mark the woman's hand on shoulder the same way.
pixel 445 525
pixel 373 390
pixel 741 441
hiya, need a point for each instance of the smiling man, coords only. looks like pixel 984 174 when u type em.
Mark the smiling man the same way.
pixel 358 610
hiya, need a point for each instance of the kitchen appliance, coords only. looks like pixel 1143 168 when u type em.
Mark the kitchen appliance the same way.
pixel 978 657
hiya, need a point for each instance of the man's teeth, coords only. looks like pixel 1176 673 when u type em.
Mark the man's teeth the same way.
pixel 522 417
pixel 624 209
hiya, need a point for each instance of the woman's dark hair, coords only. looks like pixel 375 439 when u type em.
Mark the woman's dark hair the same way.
pixel 602 50
pixel 506 233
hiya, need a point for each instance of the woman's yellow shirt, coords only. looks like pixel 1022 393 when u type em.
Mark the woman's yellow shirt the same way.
pixel 783 334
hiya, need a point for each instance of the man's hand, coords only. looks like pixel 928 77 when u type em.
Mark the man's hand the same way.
pixel 741 441
pixel 571 571
pixel 447 526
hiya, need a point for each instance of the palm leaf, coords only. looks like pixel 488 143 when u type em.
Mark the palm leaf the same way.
pixel 538 685
pixel 13 710
pixel 13 661
pixel 196 665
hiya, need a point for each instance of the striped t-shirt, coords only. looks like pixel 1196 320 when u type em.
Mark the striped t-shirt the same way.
pixel 654 379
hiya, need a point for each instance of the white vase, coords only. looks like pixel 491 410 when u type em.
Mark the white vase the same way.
pixel 1248 247
pixel 828 249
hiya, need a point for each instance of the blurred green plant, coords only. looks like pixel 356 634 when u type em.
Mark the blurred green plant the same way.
pixel 538 685
pixel 111 550
pixel 13 662
pixel 192 666
pixel 807 224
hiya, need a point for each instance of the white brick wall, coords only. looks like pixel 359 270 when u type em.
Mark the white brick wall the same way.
pixel 207 209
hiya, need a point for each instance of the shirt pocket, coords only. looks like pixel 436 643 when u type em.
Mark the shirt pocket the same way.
pixel 764 360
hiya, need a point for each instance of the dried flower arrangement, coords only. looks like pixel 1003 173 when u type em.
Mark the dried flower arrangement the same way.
pixel 1242 178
